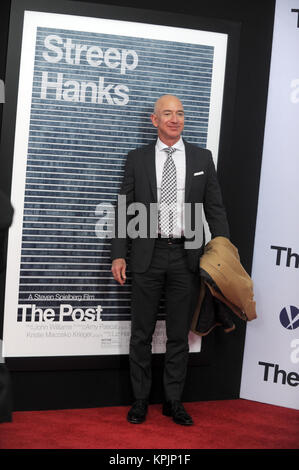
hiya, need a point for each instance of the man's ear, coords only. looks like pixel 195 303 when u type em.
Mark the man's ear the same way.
pixel 154 120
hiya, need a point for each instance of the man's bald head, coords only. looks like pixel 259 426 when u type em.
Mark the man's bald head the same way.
pixel 163 100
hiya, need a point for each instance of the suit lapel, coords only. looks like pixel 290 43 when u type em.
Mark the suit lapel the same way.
pixel 150 162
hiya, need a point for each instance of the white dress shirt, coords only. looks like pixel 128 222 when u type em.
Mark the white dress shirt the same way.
pixel 179 158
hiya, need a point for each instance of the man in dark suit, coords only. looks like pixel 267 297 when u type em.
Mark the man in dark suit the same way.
pixel 169 172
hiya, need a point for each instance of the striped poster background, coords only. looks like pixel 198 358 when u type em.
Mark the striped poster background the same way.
pixel 75 160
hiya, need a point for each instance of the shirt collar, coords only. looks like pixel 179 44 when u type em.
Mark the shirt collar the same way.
pixel 179 145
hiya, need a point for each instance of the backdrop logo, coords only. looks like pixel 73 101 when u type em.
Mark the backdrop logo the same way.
pixel 289 317
pixel 284 255
pixel 295 10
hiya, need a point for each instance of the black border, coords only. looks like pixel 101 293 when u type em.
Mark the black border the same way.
pixel 232 29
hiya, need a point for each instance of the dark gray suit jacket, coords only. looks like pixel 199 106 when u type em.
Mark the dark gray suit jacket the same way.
pixel 139 185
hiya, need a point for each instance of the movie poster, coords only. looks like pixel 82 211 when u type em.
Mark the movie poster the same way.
pixel 86 91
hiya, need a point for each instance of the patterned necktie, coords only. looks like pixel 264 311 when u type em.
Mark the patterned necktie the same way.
pixel 168 201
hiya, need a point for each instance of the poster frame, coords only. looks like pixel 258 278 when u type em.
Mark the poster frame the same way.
pixel 232 29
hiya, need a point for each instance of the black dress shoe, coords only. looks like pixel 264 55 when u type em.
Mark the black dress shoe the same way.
pixel 137 413
pixel 176 410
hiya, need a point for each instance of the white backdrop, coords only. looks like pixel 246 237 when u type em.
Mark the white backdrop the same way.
pixel 271 357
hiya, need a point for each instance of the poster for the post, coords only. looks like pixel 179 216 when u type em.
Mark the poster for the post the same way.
pixel 87 87
pixel 271 357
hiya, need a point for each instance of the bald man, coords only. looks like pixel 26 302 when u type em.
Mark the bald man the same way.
pixel 168 171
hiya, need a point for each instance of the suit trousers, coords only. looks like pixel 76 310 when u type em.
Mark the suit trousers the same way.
pixel 169 271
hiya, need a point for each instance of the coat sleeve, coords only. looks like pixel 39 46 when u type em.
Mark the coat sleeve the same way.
pixel 119 243
pixel 213 206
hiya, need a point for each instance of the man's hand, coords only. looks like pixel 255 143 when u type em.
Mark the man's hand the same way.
pixel 119 270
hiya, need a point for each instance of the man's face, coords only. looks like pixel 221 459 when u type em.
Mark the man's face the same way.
pixel 169 119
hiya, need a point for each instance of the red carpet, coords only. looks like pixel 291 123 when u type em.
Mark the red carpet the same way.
pixel 230 424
